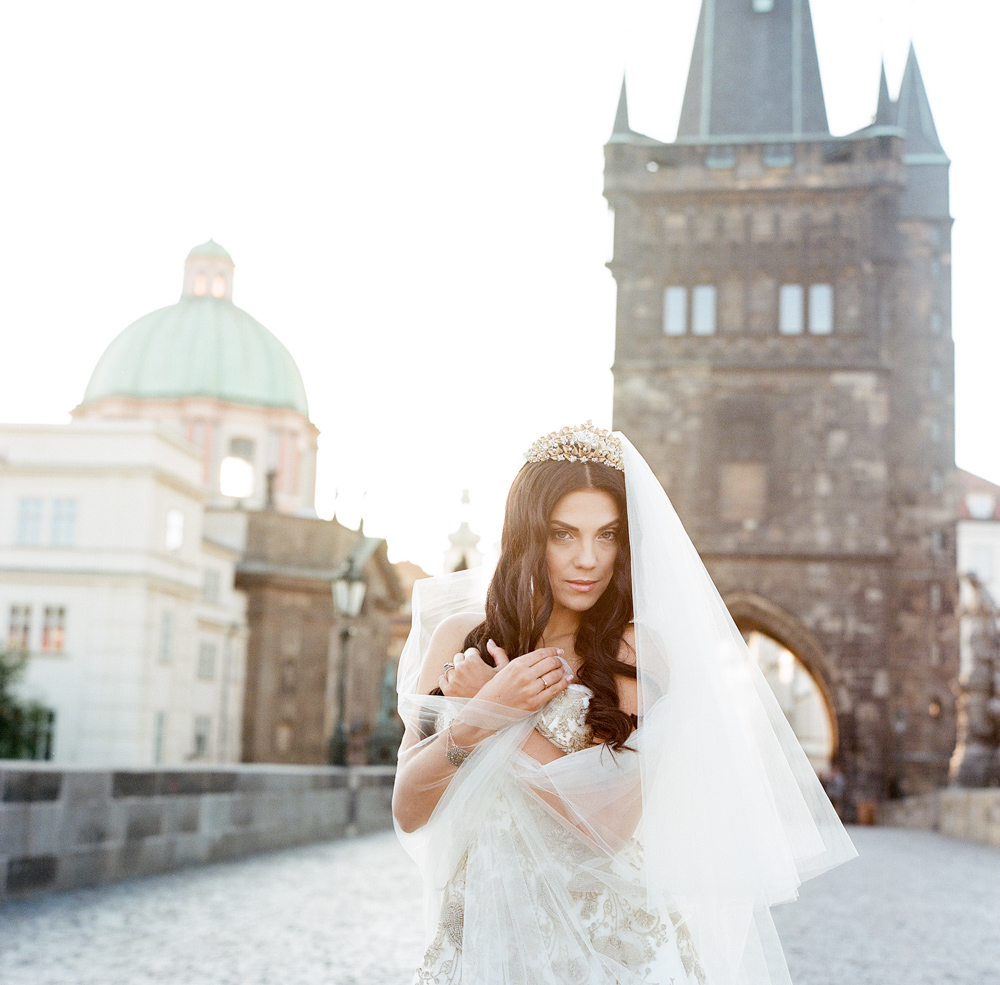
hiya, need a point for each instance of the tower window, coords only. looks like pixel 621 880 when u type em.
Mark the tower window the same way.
pixel 703 310
pixel 722 156
pixel 242 448
pixel 742 492
pixel 790 303
pixel 821 309
pixel 218 286
pixel 763 6
pixel 200 285
pixel 675 310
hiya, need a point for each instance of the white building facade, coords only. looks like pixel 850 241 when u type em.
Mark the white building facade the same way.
pixel 128 611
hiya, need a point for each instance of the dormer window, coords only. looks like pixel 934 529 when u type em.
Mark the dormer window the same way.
pixel 218 286
pixel 200 285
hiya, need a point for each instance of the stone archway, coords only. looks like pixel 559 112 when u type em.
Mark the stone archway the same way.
pixel 797 668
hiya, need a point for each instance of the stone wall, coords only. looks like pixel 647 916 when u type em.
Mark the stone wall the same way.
pixel 972 815
pixel 64 828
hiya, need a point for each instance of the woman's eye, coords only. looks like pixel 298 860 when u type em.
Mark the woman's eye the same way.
pixel 609 535
pixel 561 534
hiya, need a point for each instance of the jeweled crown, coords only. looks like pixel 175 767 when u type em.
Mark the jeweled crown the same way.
pixel 583 443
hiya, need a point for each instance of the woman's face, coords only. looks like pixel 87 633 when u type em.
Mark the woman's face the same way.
pixel 582 547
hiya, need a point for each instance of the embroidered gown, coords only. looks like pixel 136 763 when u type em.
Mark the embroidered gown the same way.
pixel 571 913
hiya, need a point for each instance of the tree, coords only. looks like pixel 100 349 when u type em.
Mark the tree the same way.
pixel 25 727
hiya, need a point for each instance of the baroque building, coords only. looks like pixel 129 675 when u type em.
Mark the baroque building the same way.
pixel 161 559
pixel 784 361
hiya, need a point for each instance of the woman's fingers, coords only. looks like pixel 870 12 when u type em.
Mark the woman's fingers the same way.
pixel 545 653
pixel 497 653
pixel 548 668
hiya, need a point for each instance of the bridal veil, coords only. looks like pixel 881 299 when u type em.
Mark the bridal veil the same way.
pixel 713 811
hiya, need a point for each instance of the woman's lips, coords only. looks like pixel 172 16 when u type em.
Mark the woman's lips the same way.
pixel 582 586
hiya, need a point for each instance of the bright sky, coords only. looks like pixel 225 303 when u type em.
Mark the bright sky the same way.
pixel 412 195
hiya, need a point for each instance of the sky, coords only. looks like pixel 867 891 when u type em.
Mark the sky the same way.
pixel 412 196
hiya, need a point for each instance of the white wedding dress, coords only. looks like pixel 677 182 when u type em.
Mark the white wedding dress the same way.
pixel 582 917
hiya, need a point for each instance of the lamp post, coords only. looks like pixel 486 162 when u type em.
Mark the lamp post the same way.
pixel 348 597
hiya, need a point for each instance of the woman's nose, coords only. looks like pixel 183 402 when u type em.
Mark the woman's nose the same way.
pixel 587 558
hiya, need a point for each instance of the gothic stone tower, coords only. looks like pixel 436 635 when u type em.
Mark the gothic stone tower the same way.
pixel 784 361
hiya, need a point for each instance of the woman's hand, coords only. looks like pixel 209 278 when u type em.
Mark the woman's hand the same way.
pixel 527 682
pixel 465 675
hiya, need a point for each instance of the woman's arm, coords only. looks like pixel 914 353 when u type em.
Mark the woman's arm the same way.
pixel 424 770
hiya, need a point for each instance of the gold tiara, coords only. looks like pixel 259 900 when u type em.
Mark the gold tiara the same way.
pixel 583 443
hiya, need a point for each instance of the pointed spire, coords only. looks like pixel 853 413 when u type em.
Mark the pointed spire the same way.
pixel 913 111
pixel 621 126
pixel 754 72
pixel 885 113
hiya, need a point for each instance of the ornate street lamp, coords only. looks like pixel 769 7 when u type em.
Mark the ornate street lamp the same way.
pixel 348 597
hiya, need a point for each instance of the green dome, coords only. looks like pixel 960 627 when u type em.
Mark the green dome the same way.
pixel 210 249
pixel 199 347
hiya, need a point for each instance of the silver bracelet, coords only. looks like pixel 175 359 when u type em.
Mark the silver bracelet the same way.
pixel 456 754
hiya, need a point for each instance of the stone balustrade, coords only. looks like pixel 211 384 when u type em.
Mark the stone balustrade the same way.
pixel 63 827
pixel 972 815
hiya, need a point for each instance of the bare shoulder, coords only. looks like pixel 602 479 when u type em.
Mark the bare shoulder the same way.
pixel 628 690
pixel 446 641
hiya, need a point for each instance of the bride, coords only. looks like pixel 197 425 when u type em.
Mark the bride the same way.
pixel 595 779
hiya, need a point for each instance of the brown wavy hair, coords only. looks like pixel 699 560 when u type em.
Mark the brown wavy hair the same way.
pixel 519 599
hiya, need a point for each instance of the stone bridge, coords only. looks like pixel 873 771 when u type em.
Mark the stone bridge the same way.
pixel 917 908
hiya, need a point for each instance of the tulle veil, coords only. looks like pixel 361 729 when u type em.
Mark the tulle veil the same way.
pixel 714 808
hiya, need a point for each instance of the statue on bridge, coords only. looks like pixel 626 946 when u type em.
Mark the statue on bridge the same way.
pixel 976 762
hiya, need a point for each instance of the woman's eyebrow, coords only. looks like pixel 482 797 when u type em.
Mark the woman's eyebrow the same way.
pixel 569 526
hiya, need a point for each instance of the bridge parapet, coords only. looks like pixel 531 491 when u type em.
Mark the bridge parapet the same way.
pixel 62 828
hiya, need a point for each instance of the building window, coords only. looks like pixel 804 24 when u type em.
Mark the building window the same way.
pixel 54 629
pixel 166 637
pixel 820 309
pixel 937 541
pixel 763 6
pixel 210 586
pixel 703 310
pixel 218 286
pixel 981 561
pixel 936 323
pixel 206 660
pixel 722 156
pixel 936 483
pixel 159 736
pixel 778 155
pixel 63 528
pixel 283 736
pixel 29 522
pixel 742 492
pixel 935 597
pixel 19 628
pixel 675 310
pixel 173 537
pixel 242 448
pixel 790 300
pixel 935 380
pixel 289 675
pixel 202 731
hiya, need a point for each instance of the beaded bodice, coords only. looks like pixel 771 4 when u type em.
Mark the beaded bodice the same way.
pixel 563 721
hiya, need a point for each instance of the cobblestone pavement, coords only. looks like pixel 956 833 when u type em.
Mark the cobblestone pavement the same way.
pixel 915 909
